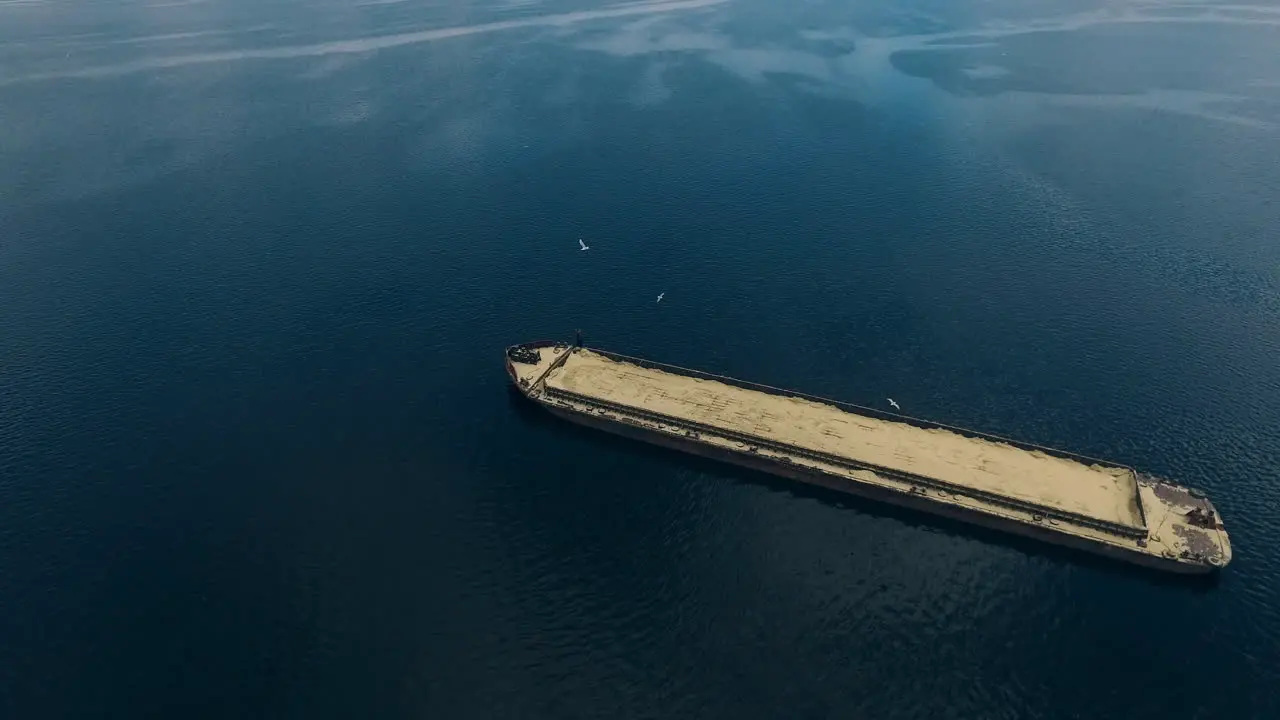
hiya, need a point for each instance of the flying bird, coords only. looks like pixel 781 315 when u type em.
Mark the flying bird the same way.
pixel 660 296
pixel 584 245
pixel 894 404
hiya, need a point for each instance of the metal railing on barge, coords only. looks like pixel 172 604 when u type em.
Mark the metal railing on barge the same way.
pixel 1035 510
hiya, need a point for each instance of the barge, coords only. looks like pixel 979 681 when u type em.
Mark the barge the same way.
pixel 1066 499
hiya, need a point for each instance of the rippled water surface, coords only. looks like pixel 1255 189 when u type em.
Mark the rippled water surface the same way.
pixel 258 261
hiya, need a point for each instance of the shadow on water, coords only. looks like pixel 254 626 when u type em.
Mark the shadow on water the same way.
pixel 528 412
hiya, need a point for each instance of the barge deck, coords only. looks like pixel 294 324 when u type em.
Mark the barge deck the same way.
pixel 1034 491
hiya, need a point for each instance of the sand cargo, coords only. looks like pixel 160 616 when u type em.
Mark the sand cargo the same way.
pixel 1043 493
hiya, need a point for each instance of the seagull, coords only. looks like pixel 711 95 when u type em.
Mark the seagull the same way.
pixel 894 404
pixel 660 296
pixel 584 245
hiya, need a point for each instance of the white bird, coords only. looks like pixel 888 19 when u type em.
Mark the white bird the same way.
pixel 894 404
pixel 584 245
pixel 660 296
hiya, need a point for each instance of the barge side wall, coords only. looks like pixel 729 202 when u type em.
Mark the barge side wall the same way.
pixel 845 486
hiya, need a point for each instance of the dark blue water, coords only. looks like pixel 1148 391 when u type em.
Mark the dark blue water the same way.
pixel 258 262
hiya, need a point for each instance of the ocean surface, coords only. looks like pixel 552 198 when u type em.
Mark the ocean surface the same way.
pixel 258 262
